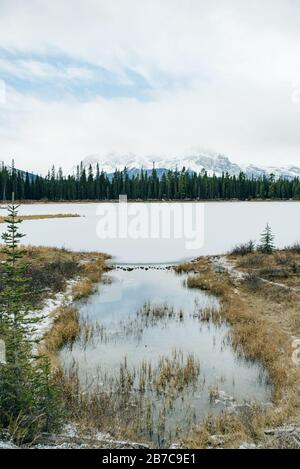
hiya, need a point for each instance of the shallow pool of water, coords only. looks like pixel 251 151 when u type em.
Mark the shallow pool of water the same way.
pixel 149 327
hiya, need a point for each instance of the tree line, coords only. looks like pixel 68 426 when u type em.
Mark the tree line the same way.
pixel 94 184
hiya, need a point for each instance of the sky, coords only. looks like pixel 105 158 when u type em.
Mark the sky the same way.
pixel 159 77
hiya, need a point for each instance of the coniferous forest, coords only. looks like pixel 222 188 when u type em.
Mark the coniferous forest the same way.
pixel 89 184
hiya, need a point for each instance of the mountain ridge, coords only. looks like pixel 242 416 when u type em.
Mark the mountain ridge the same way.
pixel 212 163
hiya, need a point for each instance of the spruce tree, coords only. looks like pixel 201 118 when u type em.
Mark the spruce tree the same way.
pixel 27 390
pixel 267 245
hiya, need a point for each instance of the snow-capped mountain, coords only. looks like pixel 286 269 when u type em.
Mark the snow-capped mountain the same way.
pixel 213 163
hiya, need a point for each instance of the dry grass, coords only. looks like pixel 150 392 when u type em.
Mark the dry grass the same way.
pixel 64 331
pixel 185 267
pixel 228 430
pixel 99 410
pixel 66 326
pixel 91 275
pixel 154 313
pixel 50 269
pixel 208 283
pixel 41 255
pixel 135 403
pixel 83 289
pixel 264 318
pixel 42 217
pixel 282 264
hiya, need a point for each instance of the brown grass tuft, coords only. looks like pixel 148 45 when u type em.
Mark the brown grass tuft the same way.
pixel 64 331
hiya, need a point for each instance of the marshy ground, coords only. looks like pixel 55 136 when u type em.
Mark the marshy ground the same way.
pixel 260 300
pixel 149 370
pixel 258 297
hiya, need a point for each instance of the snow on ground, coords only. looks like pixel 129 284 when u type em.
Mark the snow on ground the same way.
pixel 7 445
pixel 222 264
pixel 46 314
pixel 72 438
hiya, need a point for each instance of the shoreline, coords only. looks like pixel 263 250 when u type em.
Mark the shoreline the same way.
pixel 152 201
pixel 42 217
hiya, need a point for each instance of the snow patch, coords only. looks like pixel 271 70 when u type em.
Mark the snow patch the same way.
pixel 7 445
pixel 222 264
pixel 46 315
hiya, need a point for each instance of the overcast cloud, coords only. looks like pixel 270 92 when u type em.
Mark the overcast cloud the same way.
pixel 85 77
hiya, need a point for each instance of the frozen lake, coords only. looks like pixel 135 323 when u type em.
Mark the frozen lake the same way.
pixel 216 227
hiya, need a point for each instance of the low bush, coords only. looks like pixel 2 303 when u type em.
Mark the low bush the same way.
pixel 52 275
pixel 294 248
pixel 243 249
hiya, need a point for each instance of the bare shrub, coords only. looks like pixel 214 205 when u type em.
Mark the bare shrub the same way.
pixel 243 249
pixel 294 248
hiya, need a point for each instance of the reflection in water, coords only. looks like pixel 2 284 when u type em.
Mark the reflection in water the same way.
pixel 147 341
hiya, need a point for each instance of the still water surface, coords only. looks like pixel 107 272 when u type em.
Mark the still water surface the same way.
pixel 127 334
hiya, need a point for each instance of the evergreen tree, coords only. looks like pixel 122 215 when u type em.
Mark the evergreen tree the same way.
pixel 29 400
pixel 267 245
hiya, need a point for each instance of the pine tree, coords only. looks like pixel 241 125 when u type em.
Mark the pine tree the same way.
pixel 267 245
pixel 27 391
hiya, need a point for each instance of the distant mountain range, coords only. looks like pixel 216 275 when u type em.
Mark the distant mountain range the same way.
pixel 20 171
pixel 213 163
